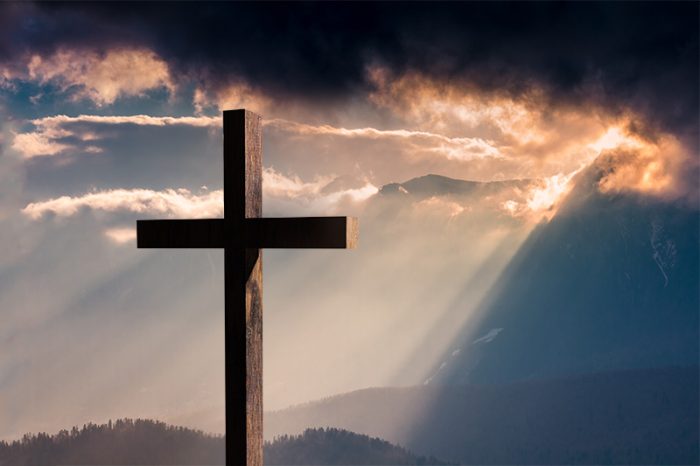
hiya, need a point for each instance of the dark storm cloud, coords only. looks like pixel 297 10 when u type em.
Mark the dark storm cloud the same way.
pixel 638 55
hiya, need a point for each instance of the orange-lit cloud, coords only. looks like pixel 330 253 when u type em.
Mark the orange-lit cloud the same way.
pixel 653 168
pixel 99 77
pixel 538 139
pixel 428 126
pixel 525 126
pixel 544 197
pixel 541 199
pixel 40 143
pixel 236 95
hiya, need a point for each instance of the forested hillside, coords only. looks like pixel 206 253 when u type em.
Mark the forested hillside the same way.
pixel 124 442
pixel 337 446
pixel 147 442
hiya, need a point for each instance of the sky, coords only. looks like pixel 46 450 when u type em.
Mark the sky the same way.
pixel 111 113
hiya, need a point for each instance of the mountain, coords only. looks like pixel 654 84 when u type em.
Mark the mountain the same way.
pixel 610 282
pixel 437 185
pixel 623 417
pixel 584 348
pixel 472 196
pixel 139 442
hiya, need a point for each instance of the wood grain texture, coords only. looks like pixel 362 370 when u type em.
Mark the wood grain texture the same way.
pixel 352 232
pixel 254 358
pixel 243 289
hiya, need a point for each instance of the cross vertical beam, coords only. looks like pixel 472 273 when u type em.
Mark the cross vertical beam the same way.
pixel 242 232
pixel 243 289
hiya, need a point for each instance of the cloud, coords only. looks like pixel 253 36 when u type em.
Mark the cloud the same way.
pixel 99 77
pixel 458 148
pixel 625 163
pixel 323 196
pixel 528 125
pixel 279 185
pixel 319 196
pixel 121 235
pixel 179 203
pixel 50 134
pixel 232 96
pixel 39 143
pixel 140 120
pixel 313 52
pixel 317 52
pixel 546 195
pixel 523 139
pixel 661 168
pixel 544 139
pixel 442 207
pixel 48 137
pixel 433 126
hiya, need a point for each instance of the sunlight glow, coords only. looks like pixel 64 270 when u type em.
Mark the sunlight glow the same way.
pixel 536 138
pixel 614 138
pixel 121 235
pixel 546 197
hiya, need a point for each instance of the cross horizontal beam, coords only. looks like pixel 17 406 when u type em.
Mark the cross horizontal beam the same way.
pixel 292 232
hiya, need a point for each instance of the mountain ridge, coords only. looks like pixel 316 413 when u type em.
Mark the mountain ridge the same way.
pixel 631 416
pixel 610 282
pixel 433 184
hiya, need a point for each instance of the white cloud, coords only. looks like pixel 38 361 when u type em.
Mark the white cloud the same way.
pixel 317 197
pixel 44 140
pixel 121 235
pixel 170 202
pixel 278 185
pixel 141 120
pixel 441 206
pixel 50 133
pixel 458 148
pixel 182 203
pixel 40 143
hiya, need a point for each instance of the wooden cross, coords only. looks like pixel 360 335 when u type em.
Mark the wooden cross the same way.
pixel 242 233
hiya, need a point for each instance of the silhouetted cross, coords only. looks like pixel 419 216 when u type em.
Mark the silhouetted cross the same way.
pixel 242 232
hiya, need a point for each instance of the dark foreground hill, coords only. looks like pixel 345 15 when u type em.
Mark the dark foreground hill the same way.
pixel 147 442
pixel 625 417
